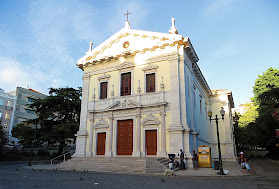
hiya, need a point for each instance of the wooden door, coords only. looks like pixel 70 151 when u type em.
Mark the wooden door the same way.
pixel 151 142
pixel 101 143
pixel 125 137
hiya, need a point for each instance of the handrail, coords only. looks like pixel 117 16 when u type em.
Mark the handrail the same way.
pixel 60 156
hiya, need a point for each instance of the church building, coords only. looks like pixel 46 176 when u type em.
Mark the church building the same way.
pixel 144 94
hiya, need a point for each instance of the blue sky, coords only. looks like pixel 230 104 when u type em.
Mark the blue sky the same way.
pixel 40 41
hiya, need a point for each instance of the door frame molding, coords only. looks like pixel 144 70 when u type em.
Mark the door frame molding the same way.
pixel 96 139
pixel 115 129
pixel 154 127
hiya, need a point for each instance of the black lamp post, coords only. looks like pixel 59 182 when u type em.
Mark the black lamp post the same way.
pixel 222 112
pixel 35 127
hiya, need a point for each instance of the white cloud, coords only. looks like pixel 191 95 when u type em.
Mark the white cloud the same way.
pixel 218 7
pixel 15 74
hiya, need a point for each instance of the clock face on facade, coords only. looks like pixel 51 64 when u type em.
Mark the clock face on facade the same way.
pixel 126 44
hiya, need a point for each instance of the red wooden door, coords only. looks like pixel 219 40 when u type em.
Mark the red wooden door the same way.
pixel 125 137
pixel 101 143
pixel 151 142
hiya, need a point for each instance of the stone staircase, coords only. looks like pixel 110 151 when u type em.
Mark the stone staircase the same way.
pixel 104 164
pixel 115 164
pixel 156 165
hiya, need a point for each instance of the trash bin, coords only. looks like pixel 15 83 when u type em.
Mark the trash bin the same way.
pixel 216 164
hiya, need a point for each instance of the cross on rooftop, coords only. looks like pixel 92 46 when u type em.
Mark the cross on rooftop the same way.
pixel 127 15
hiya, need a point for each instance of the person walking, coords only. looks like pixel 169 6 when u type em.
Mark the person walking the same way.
pixel 195 160
pixel 182 165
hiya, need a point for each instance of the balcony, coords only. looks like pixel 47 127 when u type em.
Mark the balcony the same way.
pixel 130 101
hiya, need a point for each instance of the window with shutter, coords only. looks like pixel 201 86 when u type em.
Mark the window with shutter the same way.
pixel 104 90
pixel 125 84
pixel 150 82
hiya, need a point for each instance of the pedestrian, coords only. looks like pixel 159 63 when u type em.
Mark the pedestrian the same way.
pixel 195 160
pixel 243 162
pixel 182 165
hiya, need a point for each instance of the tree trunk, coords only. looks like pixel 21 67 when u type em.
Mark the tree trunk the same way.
pixel 61 147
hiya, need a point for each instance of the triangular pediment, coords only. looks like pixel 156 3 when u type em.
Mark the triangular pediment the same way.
pixel 129 41
pixel 123 105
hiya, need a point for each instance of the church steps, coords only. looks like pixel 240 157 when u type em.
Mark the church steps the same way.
pixel 104 164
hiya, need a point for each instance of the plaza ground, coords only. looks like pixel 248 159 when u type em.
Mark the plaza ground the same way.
pixel 14 175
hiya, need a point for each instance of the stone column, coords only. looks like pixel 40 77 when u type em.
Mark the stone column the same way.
pixel 175 92
pixel 189 156
pixel 136 153
pixel 163 151
pixel 110 137
pixel 175 129
pixel 82 133
pixel 90 152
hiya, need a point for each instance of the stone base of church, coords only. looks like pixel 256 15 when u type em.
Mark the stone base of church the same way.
pixel 89 154
pixel 162 153
pixel 108 154
pixel 136 154
pixel 78 155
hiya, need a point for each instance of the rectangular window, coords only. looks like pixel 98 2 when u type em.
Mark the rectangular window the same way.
pixel 104 90
pixel 194 94
pixel 200 105
pixel 125 84
pixel 31 99
pixel 150 82
pixel 30 111
pixel 7 116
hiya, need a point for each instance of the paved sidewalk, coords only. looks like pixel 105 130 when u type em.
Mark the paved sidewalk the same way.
pixel 233 168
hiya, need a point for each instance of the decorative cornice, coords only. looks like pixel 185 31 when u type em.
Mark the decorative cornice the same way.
pixel 104 76
pixel 150 67
pixel 90 60
pixel 101 124
pixel 123 105
pixel 150 120
pixel 125 65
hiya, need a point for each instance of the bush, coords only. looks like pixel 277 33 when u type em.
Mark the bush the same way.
pixel 13 155
pixel 43 153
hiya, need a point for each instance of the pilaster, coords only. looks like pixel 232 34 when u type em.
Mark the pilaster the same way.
pixel 163 151
pixel 90 152
pixel 136 153
pixel 175 93
pixel 110 137
pixel 82 133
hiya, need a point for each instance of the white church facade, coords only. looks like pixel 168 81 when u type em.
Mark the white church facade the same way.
pixel 144 93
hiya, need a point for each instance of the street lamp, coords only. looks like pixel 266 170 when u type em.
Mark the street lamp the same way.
pixel 222 112
pixel 35 127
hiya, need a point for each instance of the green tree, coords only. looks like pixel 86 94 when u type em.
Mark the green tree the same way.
pixel 250 115
pixel 265 82
pixel 24 133
pixel 3 140
pixel 266 96
pixel 58 115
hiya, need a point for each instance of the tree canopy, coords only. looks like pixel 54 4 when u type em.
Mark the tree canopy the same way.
pixel 259 123
pixel 58 116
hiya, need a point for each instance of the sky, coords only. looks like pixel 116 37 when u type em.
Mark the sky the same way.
pixel 41 40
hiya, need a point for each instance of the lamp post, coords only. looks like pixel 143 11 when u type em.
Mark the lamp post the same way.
pixel 35 127
pixel 222 112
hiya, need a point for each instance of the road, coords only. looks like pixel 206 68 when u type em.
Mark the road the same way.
pixel 13 176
